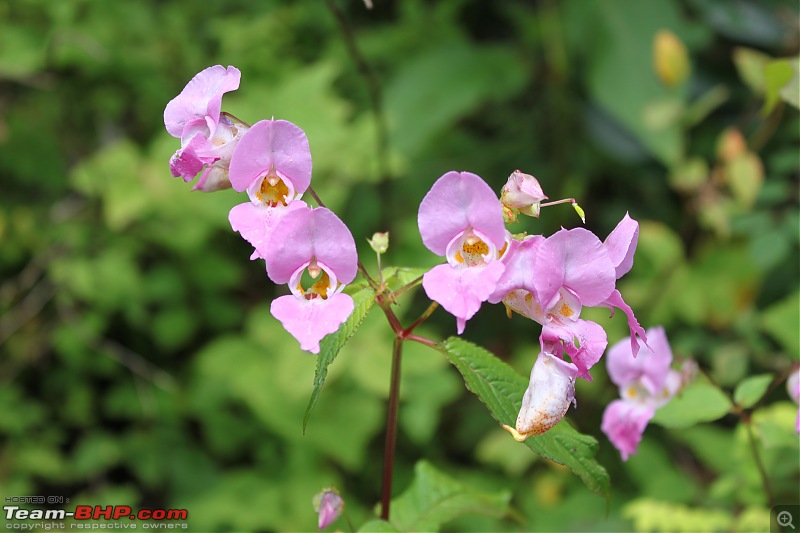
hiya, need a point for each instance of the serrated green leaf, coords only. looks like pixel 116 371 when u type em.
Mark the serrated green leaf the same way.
pixel 699 402
pixel 435 498
pixel 329 347
pixel 396 277
pixel 749 391
pixel 500 388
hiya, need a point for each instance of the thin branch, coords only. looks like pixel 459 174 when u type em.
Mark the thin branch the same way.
pixel 27 309
pixel 423 317
pixel 760 465
pixel 407 287
pixel 373 86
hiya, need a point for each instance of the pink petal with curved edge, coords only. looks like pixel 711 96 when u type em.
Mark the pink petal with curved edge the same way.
pixel 577 260
pixel 550 392
pixel 310 320
pixel 255 223
pixel 621 244
pixel 191 158
pixel 462 290
pixel 201 97
pixel 519 260
pixel 650 366
pixel 615 300
pixel 267 144
pixel 624 423
pixel 329 507
pixel 457 201
pixel 590 336
pixel 307 233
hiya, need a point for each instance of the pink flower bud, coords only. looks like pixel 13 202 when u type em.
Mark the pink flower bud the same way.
pixel 523 193
pixel 329 505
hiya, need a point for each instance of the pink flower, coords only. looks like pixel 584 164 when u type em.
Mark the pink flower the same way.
pixel 207 137
pixel 646 382
pixel 522 194
pixel 461 219
pixel 317 242
pixel 550 392
pixel 793 387
pixel 329 505
pixel 272 162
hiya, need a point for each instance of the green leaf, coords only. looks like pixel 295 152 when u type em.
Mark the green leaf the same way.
pixel 377 526
pixel 780 78
pixel 396 277
pixel 699 402
pixel 500 388
pixel 331 344
pixel 750 65
pixel 780 321
pixel 435 498
pixel 749 391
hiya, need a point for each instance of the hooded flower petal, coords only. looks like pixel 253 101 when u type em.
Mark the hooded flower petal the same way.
pixel 621 244
pixel 213 178
pixel 201 97
pixel 577 260
pixel 311 233
pixel 461 291
pixel 624 423
pixel 650 367
pixel 457 202
pixel 793 387
pixel 272 146
pixel 550 392
pixel 256 222
pixel 310 320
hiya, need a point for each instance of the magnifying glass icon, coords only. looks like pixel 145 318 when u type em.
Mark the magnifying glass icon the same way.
pixel 785 519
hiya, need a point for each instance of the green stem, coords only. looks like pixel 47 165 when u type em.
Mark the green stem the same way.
pixel 391 428
pixel 423 317
pixel 760 465
pixel 407 287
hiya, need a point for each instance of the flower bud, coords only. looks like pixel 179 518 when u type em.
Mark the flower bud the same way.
pixel 379 242
pixel 522 193
pixel 550 392
pixel 329 505
pixel 670 59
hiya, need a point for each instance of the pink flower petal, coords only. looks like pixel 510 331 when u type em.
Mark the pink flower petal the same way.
pixel 201 97
pixel 267 144
pixel 577 260
pixel 624 423
pixel 615 300
pixel 520 257
pixel 591 339
pixel 255 223
pixel 307 233
pixel 213 178
pixel 650 367
pixel 456 202
pixel 310 320
pixel 462 290
pixel 621 244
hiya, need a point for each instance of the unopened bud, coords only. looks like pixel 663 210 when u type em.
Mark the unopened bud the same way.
pixel 379 242
pixel 670 58
pixel 578 209
pixel 522 193
pixel 329 505
pixel 731 144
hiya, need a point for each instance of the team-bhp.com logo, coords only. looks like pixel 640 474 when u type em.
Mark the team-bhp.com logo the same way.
pixel 18 518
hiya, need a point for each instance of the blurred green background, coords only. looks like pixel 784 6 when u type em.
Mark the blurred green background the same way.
pixel 139 364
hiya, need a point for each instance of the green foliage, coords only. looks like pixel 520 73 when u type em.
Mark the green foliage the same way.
pixel 329 348
pixel 139 363
pixel 434 498
pixel 501 388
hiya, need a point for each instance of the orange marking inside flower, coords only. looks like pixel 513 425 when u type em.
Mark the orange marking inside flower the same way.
pixel 566 311
pixel 475 248
pixel 272 194
pixel 459 257
pixel 632 392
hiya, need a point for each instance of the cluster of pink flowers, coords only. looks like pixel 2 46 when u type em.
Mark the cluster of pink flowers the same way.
pixel 271 161
pixel 546 279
